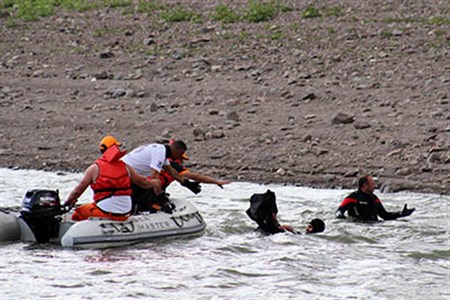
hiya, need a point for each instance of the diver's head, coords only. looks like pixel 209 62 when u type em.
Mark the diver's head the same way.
pixel 315 225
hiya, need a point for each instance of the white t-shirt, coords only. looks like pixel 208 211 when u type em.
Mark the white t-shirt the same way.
pixel 116 204
pixel 147 157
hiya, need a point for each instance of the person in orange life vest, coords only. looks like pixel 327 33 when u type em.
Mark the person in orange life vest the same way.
pixel 161 200
pixel 110 179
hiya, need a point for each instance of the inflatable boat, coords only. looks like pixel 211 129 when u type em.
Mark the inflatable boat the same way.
pixel 41 219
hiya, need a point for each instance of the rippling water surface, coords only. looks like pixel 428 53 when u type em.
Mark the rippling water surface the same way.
pixel 406 258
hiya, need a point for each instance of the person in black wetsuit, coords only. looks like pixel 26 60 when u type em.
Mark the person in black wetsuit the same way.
pixel 364 205
pixel 263 210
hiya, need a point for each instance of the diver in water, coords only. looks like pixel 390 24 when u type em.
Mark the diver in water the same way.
pixel 263 210
pixel 364 205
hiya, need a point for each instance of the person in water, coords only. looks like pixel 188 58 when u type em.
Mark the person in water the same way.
pixel 111 180
pixel 161 201
pixel 364 205
pixel 272 226
pixel 150 160
pixel 263 210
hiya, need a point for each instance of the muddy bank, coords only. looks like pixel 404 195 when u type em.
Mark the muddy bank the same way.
pixel 307 101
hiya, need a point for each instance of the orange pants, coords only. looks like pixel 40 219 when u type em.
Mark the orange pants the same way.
pixel 86 211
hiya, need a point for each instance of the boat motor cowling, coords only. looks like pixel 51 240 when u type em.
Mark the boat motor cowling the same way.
pixel 41 210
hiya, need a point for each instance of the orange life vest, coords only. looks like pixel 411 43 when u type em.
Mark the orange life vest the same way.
pixel 113 177
pixel 165 178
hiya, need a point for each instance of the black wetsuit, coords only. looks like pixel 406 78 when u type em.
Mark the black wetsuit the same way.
pixel 269 226
pixel 364 207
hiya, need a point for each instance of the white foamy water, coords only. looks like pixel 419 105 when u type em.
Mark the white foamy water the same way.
pixel 406 258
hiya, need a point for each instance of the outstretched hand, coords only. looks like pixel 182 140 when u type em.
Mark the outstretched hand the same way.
pixel 220 183
pixel 194 186
pixel 407 211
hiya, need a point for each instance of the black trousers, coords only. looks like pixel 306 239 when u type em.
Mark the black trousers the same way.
pixel 141 198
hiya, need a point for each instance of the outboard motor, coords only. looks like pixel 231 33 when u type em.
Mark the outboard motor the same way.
pixel 41 210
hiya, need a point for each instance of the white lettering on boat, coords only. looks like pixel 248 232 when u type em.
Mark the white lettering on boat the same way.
pixel 181 220
pixel 143 225
pixel 111 228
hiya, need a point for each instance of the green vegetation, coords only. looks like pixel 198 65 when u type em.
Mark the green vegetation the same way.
pixel 180 14
pixel 31 10
pixel 399 20
pixel 386 33
pixel 10 23
pixel 330 30
pixel 149 7
pixel 78 5
pixel 335 11
pixel 434 20
pixel 224 14
pixel 6 4
pixel 438 20
pixel 99 32
pixel 260 12
pixel 116 3
pixel 255 12
pixel 311 12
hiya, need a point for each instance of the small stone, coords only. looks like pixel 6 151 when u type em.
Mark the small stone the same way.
pixel 149 41
pixel 233 116
pixel 361 125
pixel 343 118
pixel 119 92
pixel 218 154
pixel 281 172
pixel 309 96
pixel 197 132
pixel 106 54
pixel 218 134
pixel 153 107
pixel 404 172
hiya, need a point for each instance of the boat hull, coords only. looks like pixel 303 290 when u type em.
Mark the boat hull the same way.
pixel 107 233
pixel 103 233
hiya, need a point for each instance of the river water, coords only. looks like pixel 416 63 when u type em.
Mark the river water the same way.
pixel 402 259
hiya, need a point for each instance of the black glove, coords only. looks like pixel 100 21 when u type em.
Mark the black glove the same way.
pixel 168 207
pixel 407 211
pixel 192 185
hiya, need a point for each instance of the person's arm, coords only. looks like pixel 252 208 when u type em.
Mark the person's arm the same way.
pixel 385 215
pixel 193 186
pixel 172 172
pixel 203 178
pixel 287 228
pixel 343 207
pixel 144 182
pixel 271 225
pixel 89 176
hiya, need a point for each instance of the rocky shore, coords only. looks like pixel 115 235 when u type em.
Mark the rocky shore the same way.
pixel 297 100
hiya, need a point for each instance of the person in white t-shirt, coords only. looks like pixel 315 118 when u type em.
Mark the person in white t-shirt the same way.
pixel 148 160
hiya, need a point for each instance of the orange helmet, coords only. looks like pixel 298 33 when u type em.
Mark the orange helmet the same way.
pixel 107 142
